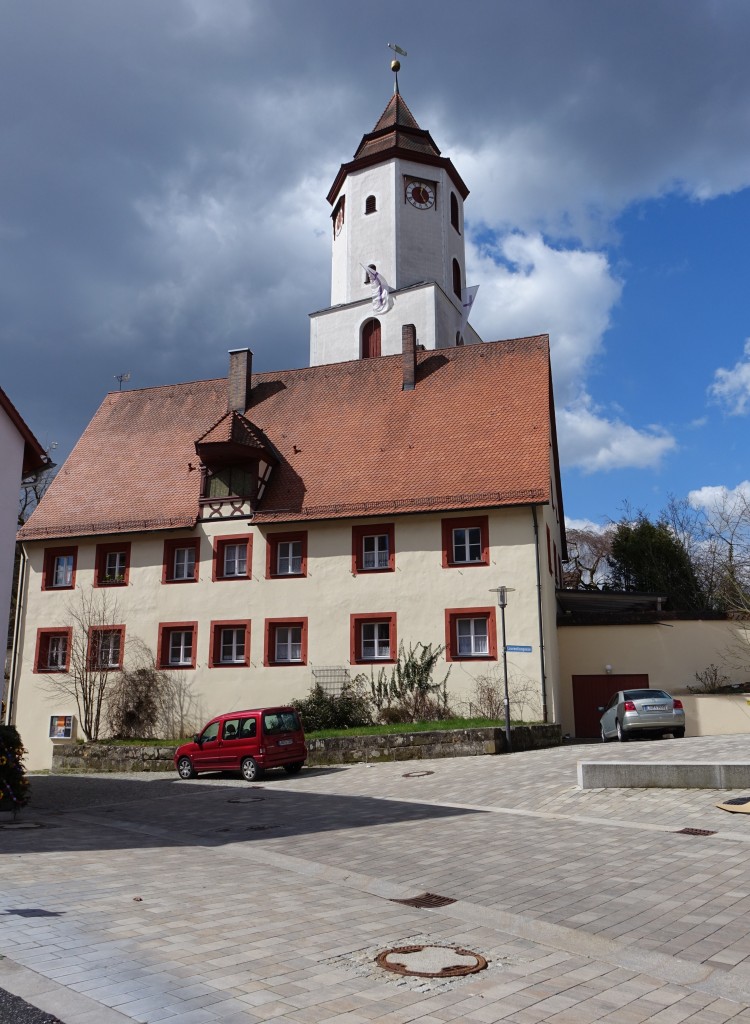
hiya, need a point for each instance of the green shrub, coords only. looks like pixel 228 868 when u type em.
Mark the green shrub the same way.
pixel 322 710
pixel 14 786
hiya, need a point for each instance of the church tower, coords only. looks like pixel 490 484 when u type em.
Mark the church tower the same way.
pixel 397 207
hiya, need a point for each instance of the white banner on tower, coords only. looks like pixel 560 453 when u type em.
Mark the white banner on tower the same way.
pixel 467 301
pixel 380 297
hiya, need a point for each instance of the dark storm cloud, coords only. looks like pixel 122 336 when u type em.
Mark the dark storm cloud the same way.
pixel 165 164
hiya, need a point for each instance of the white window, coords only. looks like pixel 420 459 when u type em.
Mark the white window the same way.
pixel 376 640
pixel 472 637
pixel 235 560
pixel 289 558
pixel 114 566
pixel 467 544
pixel 57 654
pixel 107 648
pixel 184 563
pixel 232 646
pixel 375 551
pixel 181 647
pixel 288 643
pixel 62 575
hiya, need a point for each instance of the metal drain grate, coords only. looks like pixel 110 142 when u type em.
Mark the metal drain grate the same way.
pixel 694 832
pixel 260 828
pixel 426 901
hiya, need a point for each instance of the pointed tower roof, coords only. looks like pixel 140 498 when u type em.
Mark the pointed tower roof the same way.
pixel 396 134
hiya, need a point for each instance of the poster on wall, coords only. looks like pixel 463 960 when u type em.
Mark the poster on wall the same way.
pixel 61 727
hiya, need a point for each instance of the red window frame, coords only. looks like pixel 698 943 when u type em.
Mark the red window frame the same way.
pixel 165 632
pixel 452 615
pixel 170 546
pixel 48 570
pixel 220 543
pixel 372 530
pixel 355 637
pixel 465 523
pixel 214 659
pixel 269 641
pixel 91 647
pixel 100 565
pixel 41 653
pixel 272 554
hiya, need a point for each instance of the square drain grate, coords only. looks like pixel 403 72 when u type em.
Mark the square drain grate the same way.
pixel 694 832
pixel 426 901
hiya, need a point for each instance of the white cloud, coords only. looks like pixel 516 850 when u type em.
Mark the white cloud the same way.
pixel 731 388
pixel 587 525
pixel 716 496
pixel 569 294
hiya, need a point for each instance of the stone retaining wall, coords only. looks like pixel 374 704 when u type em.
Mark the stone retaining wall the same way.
pixel 105 757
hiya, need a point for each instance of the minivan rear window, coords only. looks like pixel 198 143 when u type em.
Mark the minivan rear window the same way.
pixel 280 721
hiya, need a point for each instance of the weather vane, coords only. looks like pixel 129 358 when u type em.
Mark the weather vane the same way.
pixel 396 64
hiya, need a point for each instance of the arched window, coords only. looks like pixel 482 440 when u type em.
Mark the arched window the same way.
pixel 459 338
pixel 454 212
pixel 370 339
pixel 457 278
pixel 370 204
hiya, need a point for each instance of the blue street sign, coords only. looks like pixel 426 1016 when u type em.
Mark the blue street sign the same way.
pixel 518 649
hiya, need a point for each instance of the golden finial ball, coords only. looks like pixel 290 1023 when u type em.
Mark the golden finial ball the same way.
pixel 395 65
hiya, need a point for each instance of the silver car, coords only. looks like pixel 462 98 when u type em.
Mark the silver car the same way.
pixel 647 711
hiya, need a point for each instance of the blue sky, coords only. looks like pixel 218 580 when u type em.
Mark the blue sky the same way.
pixel 163 182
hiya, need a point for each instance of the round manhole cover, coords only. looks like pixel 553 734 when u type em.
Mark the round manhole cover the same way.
pixel 21 825
pixel 417 775
pixel 431 961
pixel 245 800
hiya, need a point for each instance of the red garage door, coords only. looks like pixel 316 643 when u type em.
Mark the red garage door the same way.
pixel 592 692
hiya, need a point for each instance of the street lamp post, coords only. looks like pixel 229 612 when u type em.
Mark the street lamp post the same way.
pixel 502 600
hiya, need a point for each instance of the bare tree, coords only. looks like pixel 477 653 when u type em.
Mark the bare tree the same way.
pixel 33 490
pixel 94 656
pixel 587 565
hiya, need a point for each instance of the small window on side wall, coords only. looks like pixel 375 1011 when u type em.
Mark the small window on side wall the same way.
pixel 457 278
pixel 371 204
pixel 454 212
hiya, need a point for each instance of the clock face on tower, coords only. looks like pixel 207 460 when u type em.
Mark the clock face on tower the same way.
pixel 420 194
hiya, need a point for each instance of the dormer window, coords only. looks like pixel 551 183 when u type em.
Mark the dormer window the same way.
pixel 230 482
pixel 371 205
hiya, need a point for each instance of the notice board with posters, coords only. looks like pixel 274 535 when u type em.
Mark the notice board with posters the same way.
pixel 61 727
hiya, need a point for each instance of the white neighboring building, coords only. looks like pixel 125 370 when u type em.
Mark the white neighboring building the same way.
pixel 397 206
pixel 20 456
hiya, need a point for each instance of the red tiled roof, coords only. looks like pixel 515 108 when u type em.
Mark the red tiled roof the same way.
pixel 475 433
pixel 235 429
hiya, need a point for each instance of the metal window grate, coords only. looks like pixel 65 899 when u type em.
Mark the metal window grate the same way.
pixel 332 679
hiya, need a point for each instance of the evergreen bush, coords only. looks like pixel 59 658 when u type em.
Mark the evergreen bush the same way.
pixel 14 786
pixel 322 710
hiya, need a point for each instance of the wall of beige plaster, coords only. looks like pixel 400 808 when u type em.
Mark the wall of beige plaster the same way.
pixel 419 591
pixel 670 653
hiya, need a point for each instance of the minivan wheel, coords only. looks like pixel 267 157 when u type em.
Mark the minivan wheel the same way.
pixel 249 769
pixel 293 769
pixel 621 734
pixel 185 768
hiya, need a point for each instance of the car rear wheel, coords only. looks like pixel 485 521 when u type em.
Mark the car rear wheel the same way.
pixel 185 768
pixel 293 769
pixel 622 736
pixel 249 769
pixel 679 734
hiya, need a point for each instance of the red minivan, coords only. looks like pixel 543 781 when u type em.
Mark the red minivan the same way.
pixel 246 742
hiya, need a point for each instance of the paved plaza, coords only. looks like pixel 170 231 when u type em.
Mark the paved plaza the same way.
pixel 145 898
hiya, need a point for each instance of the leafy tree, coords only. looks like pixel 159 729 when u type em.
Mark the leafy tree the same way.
pixel 14 786
pixel 649 557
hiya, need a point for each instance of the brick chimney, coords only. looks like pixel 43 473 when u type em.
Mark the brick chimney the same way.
pixel 239 379
pixel 409 355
